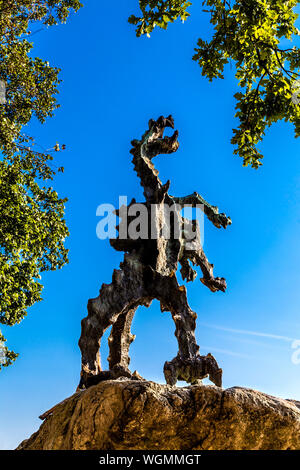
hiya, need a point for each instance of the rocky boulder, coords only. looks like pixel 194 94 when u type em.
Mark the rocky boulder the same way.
pixel 133 414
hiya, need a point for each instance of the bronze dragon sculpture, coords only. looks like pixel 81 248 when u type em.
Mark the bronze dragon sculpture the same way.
pixel 148 272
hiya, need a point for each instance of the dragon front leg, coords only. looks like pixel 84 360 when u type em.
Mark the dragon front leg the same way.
pixel 213 283
pixel 212 212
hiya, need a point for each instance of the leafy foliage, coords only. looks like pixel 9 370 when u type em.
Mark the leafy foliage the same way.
pixel 159 13
pixel 251 34
pixel 32 229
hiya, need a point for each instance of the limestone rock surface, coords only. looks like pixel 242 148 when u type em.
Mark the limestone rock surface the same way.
pixel 135 414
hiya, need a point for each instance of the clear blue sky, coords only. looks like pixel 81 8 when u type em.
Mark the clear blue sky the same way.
pixel 112 84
